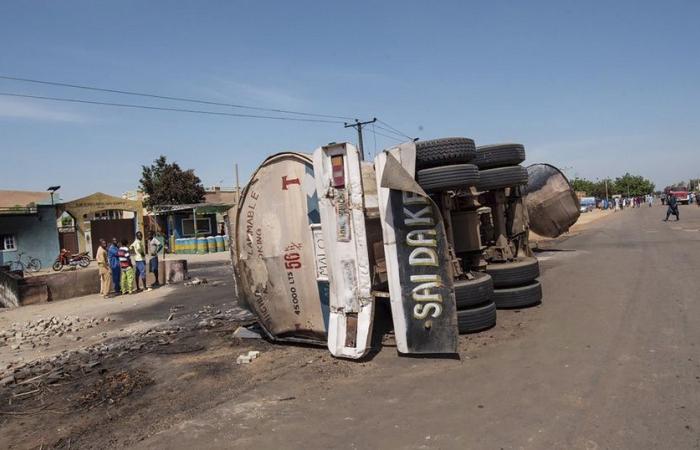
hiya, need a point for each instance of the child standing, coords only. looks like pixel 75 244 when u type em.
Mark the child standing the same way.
pixel 127 275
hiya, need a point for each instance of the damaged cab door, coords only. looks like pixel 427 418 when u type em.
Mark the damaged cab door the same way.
pixel 339 184
pixel 416 249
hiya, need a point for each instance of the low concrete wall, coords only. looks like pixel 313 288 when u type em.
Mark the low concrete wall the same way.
pixel 9 290
pixel 58 286
pixel 73 283
pixel 17 291
pixel 31 294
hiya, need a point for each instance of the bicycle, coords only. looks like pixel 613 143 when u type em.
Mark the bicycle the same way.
pixel 31 265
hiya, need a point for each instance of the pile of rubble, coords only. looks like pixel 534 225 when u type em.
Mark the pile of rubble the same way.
pixel 31 334
pixel 209 315
pixel 81 361
pixel 70 362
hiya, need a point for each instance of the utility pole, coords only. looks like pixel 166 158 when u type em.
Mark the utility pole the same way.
pixel 606 189
pixel 358 126
pixel 238 187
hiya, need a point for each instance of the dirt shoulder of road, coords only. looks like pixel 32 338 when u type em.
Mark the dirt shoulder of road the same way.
pixel 584 222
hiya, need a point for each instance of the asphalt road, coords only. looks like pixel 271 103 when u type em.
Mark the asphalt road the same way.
pixel 611 359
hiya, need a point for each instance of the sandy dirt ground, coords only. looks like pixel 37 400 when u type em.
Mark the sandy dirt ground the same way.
pixel 609 360
pixel 581 224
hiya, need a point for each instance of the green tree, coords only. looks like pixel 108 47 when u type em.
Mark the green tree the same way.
pixel 633 185
pixel 166 183
pixel 592 188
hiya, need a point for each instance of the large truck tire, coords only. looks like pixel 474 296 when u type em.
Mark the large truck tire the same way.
pixel 499 155
pixel 477 319
pixel 476 291
pixel 516 273
pixel 501 177
pixel 446 178
pixel 442 152
pixel 518 297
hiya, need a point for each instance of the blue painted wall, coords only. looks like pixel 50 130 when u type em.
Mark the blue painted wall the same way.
pixel 178 224
pixel 36 235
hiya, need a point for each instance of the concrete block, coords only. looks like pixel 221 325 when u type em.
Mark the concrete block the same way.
pixel 176 270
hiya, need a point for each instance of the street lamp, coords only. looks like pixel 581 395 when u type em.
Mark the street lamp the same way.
pixel 53 189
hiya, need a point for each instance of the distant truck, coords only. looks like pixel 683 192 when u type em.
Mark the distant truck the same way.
pixel 680 192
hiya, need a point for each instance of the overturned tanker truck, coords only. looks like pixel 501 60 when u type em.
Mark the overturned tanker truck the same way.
pixel 438 229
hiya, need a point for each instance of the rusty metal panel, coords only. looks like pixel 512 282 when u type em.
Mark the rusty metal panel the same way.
pixel 274 257
pixel 552 205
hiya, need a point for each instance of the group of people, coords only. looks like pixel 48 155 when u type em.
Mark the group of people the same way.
pixel 618 203
pixel 122 265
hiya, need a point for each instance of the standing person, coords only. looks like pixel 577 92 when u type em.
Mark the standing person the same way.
pixel 140 259
pixel 672 207
pixel 113 254
pixel 650 200
pixel 104 269
pixel 127 276
pixel 154 246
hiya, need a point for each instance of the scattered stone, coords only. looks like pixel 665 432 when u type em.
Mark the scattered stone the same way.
pixel 196 281
pixel 7 380
pixel 170 317
pixel 244 333
pixel 243 359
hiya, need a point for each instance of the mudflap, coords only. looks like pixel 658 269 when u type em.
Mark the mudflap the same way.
pixel 420 273
pixel 341 205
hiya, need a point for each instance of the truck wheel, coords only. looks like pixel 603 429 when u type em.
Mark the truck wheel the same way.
pixel 517 273
pixel 518 297
pixel 499 155
pixel 501 177
pixel 445 178
pixel 477 319
pixel 442 152
pixel 476 291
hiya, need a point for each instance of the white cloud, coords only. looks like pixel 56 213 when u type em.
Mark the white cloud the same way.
pixel 252 94
pixel 36 110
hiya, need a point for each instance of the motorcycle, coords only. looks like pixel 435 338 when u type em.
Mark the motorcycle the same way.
pixel 65 258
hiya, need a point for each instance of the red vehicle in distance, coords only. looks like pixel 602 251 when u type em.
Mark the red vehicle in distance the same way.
pixel 680 192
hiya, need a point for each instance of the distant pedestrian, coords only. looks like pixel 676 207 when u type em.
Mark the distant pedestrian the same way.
pixel 672 207
pixel 127 275
pixel 140 259
pixel 154 247
pixel 104 269
pixel 114 265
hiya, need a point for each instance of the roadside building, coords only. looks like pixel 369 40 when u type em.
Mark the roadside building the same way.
pixel 27 225
pixel 195 221
pixel 99 216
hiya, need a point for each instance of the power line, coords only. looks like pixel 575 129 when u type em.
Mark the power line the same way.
pixel 167 97
pixel 392 132
pixel 389 137
pixel 358 126
pixel 394 129
pixel 162 108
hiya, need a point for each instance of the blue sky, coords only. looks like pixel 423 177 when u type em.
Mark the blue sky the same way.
pixel 600 88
